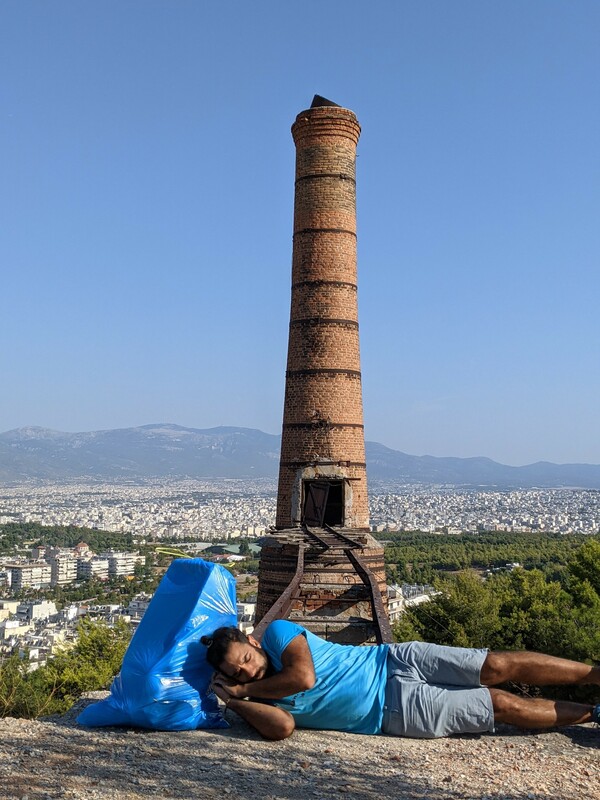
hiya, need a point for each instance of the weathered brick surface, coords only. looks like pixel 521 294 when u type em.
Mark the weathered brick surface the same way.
pixel 321 344
pixel 323 400
pixel 336 443
pixel 323 435
pixel 324 256
pixel 331 598
pixel 328 301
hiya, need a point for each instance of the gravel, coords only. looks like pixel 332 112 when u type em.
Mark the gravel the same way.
pixel 56 758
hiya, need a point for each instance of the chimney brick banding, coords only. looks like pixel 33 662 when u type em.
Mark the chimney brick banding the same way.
pixel 323 415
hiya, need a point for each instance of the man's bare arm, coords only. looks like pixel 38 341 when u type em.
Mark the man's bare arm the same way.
pixel 271 722
pixel 297 675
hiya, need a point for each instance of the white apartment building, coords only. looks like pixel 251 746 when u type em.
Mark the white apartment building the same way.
pixel 12 628
pixel 95 567
pixel 245 616
pixel 409 594
pixel 120 563
pixel 138 605
pixel 395 602
pixel 63 569
pixel 8 607
pixel 35 574
pixel 31 610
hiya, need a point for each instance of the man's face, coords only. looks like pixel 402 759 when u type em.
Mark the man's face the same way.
pixel 245 661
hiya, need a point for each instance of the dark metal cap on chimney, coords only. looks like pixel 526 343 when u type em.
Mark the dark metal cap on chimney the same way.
pixel 322 101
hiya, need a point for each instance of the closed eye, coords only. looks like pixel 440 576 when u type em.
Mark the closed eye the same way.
pixel 238 671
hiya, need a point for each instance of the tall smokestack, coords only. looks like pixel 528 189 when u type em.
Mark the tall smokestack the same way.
pixel 322 476
pixel 321 568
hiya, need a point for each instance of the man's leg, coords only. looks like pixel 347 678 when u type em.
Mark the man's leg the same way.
pixel 528 712
pixel 535 668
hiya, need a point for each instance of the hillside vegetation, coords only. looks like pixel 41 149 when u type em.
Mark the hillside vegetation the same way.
pixel 89 665
pixel 554 608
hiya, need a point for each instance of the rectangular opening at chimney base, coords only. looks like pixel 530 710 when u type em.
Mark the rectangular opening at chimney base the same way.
pixel 323 503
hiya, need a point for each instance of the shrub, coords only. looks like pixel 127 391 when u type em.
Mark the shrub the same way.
pixel 89 665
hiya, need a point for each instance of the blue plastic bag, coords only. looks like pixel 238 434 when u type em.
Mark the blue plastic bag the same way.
pixel 164 679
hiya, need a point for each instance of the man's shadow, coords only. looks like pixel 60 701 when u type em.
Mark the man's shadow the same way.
pixel 580 735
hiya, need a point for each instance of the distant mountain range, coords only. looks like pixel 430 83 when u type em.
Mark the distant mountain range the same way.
pixel 172 451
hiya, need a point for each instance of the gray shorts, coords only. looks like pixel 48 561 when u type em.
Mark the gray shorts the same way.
pixel 434 691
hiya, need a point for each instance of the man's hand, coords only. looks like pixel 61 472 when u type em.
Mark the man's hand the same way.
pixel 270 722
pixel 219 690
pixel 225 688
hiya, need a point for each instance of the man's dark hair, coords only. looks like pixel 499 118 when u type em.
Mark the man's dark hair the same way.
pixel 218 643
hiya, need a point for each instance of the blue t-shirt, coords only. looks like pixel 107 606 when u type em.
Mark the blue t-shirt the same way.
pixel 348 694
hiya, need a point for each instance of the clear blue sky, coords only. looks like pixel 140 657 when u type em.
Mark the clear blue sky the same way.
pixel 146 211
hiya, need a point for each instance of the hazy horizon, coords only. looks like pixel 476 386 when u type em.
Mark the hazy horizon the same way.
pixel 271 433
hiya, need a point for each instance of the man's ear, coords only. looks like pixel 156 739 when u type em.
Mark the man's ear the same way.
pixel 254 641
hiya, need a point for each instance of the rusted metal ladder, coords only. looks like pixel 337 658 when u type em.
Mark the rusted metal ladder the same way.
pixel 282 606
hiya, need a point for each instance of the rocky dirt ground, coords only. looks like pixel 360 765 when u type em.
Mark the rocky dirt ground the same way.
pixel 43 760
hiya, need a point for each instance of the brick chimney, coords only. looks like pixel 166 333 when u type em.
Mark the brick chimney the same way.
pixel 322 477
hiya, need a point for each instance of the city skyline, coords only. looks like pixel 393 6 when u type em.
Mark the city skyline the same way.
pixel 205 509
pixel 148 209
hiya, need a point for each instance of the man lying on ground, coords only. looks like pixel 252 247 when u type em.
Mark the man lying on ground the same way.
pixel 294 678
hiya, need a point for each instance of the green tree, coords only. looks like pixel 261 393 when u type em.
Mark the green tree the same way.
pixel 244 547
pixel 463 614
pixel 536 614
pixel 89 665
pixel 404 630
pixel 585 563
